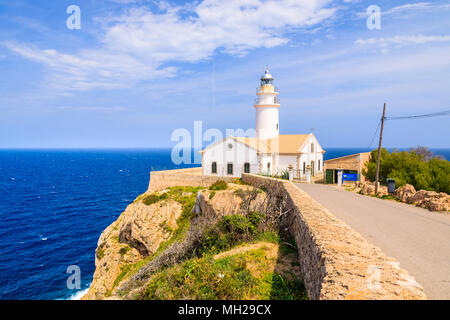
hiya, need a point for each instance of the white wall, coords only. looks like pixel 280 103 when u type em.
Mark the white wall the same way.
pixel 316 155
pixel 267 122
pixel 285 161
pixel 238 155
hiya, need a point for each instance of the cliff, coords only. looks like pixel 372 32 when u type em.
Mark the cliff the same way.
pixel 162 230
pixel 196 237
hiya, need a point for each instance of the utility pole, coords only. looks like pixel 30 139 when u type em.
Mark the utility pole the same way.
pixel 377 174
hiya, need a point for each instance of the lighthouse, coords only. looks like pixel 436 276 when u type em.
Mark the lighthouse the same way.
pixel 267 105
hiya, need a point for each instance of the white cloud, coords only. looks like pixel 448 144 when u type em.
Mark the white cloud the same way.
pixel 401 40
pixel 136 44
pixel 90 68
pixel 409 9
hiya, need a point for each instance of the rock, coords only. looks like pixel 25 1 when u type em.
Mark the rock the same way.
pixel 145 227
pixel 382 191
pixel 367 189
pixel 431 200
pixel 138 232
pixel 405 192
pixel 141 229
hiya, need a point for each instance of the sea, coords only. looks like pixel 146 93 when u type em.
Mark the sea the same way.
pixel 54 204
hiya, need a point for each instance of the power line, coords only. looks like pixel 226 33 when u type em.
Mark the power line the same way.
pixel 429 115
pixel 374 135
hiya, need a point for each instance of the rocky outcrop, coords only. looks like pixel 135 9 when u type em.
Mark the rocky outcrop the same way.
pixel 368 189
pixel 145 227
pixel 137 233
pixel 141 229
pixel 405 192
pixel 430 200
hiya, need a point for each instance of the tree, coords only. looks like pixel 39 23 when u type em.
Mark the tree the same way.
pixel 417 167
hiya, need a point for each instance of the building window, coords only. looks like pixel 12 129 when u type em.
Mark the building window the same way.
pixel 230 168
pixel 304 167
pixel 246 167
pixel 318 165
pixel 277 126
pixel 214 167
pixel 312 147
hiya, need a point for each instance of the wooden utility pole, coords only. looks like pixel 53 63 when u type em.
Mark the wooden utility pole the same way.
pixel 377 174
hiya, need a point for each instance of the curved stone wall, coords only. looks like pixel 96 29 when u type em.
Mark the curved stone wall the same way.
pixel 336 261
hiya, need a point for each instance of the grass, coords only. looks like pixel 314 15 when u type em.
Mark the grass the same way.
pixel 226 278
pixel 100 253
pixel 219 185
pixel 124 250
pixel 154 198
pixel 203 277
pixel 231 231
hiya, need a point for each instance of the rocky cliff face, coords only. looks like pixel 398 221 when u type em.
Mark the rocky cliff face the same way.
pixel 137 233
pixel 151 221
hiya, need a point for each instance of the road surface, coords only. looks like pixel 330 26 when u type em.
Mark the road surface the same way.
pixel 417 238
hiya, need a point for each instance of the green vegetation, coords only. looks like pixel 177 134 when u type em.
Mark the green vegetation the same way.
pixel 166 228
pixel 219 185
pixel 153 198
pixel 100 253
pixel 212 194
pixel 248 275
pixel 417 167
pixel 124 250
pixel 279 175
pixel 231 231
pixel 239 181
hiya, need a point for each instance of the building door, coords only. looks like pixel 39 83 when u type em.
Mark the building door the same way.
pixel 312 168
pixel 329 176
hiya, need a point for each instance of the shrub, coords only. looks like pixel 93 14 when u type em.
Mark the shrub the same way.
pixel 284 175
pixel 229 231
pixel 415 167
pixel 124 250
pixel 219 185
pixel 225 278
pixel 153 198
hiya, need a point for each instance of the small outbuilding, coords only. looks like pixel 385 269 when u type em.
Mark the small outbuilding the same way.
pixel 351 167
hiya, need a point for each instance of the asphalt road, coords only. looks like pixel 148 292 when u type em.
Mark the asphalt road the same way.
pixel 417 238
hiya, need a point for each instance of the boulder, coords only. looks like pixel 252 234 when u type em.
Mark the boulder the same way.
pixel 382 191
pixel 367 189
pixel 405 192
pixel 431 200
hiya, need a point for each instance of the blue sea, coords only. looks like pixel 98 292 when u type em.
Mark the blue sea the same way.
pixel 54 204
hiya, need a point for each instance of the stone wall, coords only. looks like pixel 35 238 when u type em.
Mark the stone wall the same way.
pixel 336 261
pixel 182 177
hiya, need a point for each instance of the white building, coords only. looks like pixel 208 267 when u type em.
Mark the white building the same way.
pixel 270 152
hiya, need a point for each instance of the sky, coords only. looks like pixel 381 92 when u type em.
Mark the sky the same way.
pixel 137 70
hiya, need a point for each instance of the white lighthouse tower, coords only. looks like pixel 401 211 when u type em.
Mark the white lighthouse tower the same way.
pixel 267 105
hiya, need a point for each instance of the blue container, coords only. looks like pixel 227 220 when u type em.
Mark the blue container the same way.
pixel 350 177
